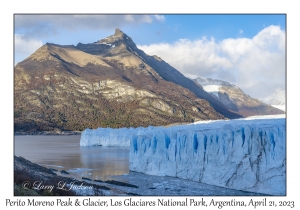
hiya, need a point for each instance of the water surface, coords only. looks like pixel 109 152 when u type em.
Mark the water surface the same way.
pixel 65 153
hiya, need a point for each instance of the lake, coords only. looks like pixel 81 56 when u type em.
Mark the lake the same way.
pixel 64 153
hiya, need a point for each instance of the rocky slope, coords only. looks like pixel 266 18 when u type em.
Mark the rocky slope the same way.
pixel 235 99
pixel 109 83
pixel 31 179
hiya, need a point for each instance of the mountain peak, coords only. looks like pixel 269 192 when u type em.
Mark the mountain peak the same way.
pixel 234 98
pixel 115 39
pixel 118 32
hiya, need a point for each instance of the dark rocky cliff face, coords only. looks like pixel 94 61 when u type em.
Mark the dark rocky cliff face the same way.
pixel 109 83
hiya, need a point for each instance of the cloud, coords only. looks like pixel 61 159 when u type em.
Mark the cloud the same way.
pixel 241 31
pixel 199 57
pixel 257 64
pixel 160 18
pixel 25 46
pixel 45 25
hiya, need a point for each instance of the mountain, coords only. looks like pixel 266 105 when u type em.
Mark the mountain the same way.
pixel 234 98
pixel 108 83
pixel 276 99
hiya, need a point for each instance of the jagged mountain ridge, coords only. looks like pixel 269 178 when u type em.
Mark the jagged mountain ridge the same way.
pixel 166 71
pixel 234 98
pixel 106 83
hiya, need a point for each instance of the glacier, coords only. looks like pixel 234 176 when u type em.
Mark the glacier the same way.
pixel 107 137
pixel 246 154
pixel 111 136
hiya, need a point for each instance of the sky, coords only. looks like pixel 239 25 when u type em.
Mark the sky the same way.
pixel 246 50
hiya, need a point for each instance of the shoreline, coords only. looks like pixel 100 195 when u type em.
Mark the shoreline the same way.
pixel 47 133
pixel 31 179
pixel 132 184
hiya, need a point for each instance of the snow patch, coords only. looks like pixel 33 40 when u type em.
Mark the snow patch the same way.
pixel 213 89
pixel 105 43
pixel 281 107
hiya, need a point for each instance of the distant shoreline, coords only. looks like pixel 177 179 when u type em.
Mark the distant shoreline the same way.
pixel 50 133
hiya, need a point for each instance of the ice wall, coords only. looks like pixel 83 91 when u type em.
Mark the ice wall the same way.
pixel 111 136
pixel 245 154
pixel 106 137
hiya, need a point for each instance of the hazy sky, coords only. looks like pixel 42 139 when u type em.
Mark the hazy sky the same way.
pixel 246 50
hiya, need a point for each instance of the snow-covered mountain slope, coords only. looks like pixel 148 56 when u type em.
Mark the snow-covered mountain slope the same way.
pixel 276 99
pixel 234 98
pixel 212 85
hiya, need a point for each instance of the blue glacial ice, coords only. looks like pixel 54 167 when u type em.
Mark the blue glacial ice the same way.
pixel 245 154
pixel 107 137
